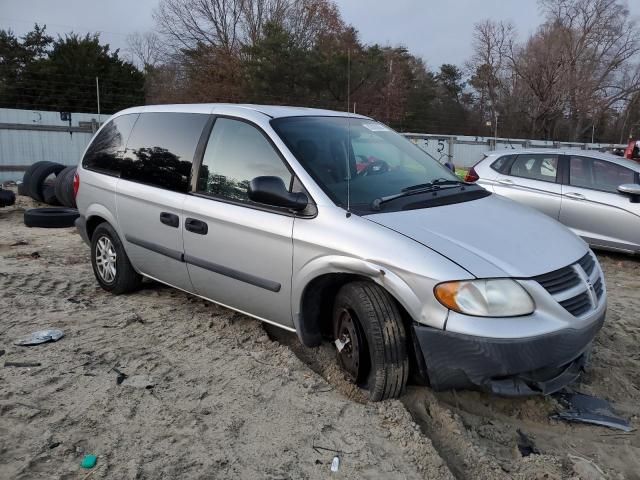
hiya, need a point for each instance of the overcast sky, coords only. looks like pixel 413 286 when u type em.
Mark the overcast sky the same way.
pixel 439 31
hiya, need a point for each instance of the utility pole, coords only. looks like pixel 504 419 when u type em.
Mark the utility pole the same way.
pixel 495 132
pixel 593 132
pixel 98 99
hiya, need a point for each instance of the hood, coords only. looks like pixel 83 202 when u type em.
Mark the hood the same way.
pixel 490 237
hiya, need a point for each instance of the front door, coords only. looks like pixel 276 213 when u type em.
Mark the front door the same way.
pixel 593 208
pixel 532 180
pixel 239 253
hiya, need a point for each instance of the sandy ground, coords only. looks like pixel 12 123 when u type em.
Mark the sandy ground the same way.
pixel 210 393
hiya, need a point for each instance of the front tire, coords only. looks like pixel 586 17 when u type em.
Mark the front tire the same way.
pixel 371 339
pixel 111 266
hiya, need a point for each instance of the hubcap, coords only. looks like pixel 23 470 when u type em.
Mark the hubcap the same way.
pixel 348 344
pixel 106 259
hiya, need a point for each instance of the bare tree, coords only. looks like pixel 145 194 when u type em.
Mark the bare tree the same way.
pixel 489 63
pixel 601 44
pixel 145 49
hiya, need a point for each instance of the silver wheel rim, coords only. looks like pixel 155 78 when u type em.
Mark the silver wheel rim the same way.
pixel 106 259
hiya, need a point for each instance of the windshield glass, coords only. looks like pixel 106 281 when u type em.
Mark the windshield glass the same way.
pixel 358 161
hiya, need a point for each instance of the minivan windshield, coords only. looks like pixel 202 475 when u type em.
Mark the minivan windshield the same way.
pixel 360 163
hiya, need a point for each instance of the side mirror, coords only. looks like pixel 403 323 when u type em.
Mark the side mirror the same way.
pixel 632 190
pixel 273 191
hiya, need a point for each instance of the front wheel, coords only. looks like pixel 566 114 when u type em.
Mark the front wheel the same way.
pixel 111 265
pixel 370 338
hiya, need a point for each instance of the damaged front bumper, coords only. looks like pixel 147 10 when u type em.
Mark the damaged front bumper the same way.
pixel 512 367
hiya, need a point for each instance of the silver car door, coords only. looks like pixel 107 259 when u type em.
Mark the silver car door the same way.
pixel 532 181
pixel 593 209
pixel 239 253
pixel 152 189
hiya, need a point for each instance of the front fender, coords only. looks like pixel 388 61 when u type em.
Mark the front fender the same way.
pixel 419 310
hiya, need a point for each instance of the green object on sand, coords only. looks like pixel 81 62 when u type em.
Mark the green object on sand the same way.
pixel 89 461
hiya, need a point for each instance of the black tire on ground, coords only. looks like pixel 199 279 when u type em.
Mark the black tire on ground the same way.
pixel 27 175
pixel 125 279
pixel 384 363
pixel 38 176
pixel 54 217
pixel 7 198
pixel 49 195
pixel 21 190
pixel 64 187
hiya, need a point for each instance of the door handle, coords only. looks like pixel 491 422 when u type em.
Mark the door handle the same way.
pixel 505 181
pixel 575 196
pixel 170 219
pixel 196 226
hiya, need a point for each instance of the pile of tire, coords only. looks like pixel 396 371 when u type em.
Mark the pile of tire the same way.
pixel 50 183
pixel 7 198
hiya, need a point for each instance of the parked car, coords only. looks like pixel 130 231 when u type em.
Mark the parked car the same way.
pixel 597 195
pixel 264 209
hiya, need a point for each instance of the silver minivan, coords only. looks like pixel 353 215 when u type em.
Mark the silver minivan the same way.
pixel 333 226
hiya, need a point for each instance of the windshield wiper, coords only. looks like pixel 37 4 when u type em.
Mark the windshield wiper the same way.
pixel 436 183
pixel 416 189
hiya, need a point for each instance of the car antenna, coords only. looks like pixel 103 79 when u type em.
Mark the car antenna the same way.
pixel 348 157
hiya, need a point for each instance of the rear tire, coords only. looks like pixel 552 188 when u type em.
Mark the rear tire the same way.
pixel 383 364
pixel 110 262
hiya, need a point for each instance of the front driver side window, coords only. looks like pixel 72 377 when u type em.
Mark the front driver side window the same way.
pixel 236 153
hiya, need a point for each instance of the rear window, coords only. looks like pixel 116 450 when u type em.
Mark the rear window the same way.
pixel 161 148
pixel 105 152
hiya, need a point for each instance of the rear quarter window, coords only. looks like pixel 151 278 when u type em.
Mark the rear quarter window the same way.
pixel 106 150
pixel 161 148
pixel 501 165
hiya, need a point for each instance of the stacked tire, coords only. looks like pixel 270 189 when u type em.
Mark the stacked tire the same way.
pixel 50 183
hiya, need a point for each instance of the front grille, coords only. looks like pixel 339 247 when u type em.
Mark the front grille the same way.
pixel 598 288
pixel 577 305
pixel 559 282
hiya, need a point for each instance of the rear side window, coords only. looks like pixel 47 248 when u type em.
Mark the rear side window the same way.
pixel 236 153
pixel 161 147
pixel 598 174
pixel 105 152
pixel 501 165
pixel 536 167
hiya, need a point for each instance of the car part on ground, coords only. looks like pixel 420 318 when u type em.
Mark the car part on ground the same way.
pixel 7 198
pixel 110 262
pixel 54 217
pixel 37 177
pixel 64 187
pixel 41 336
pixel 587 409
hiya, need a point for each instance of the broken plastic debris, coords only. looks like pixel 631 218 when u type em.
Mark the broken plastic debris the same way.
pixel 42 336
pixel 89 461
pixel 335 464
pixel 587 409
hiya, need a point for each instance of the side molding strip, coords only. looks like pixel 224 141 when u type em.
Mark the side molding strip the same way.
pixel 235 274
pixel 212 267
pixel 167 252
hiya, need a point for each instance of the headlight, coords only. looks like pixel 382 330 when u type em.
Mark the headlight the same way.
pixel 485 298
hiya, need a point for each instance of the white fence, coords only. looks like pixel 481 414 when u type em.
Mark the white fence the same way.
pixel 28 136
pixel 466 151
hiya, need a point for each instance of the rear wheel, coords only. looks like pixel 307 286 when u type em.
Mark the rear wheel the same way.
pixel 371 339
pixel 111 265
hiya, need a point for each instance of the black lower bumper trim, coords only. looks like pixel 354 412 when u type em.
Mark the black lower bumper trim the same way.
pixel 523 366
